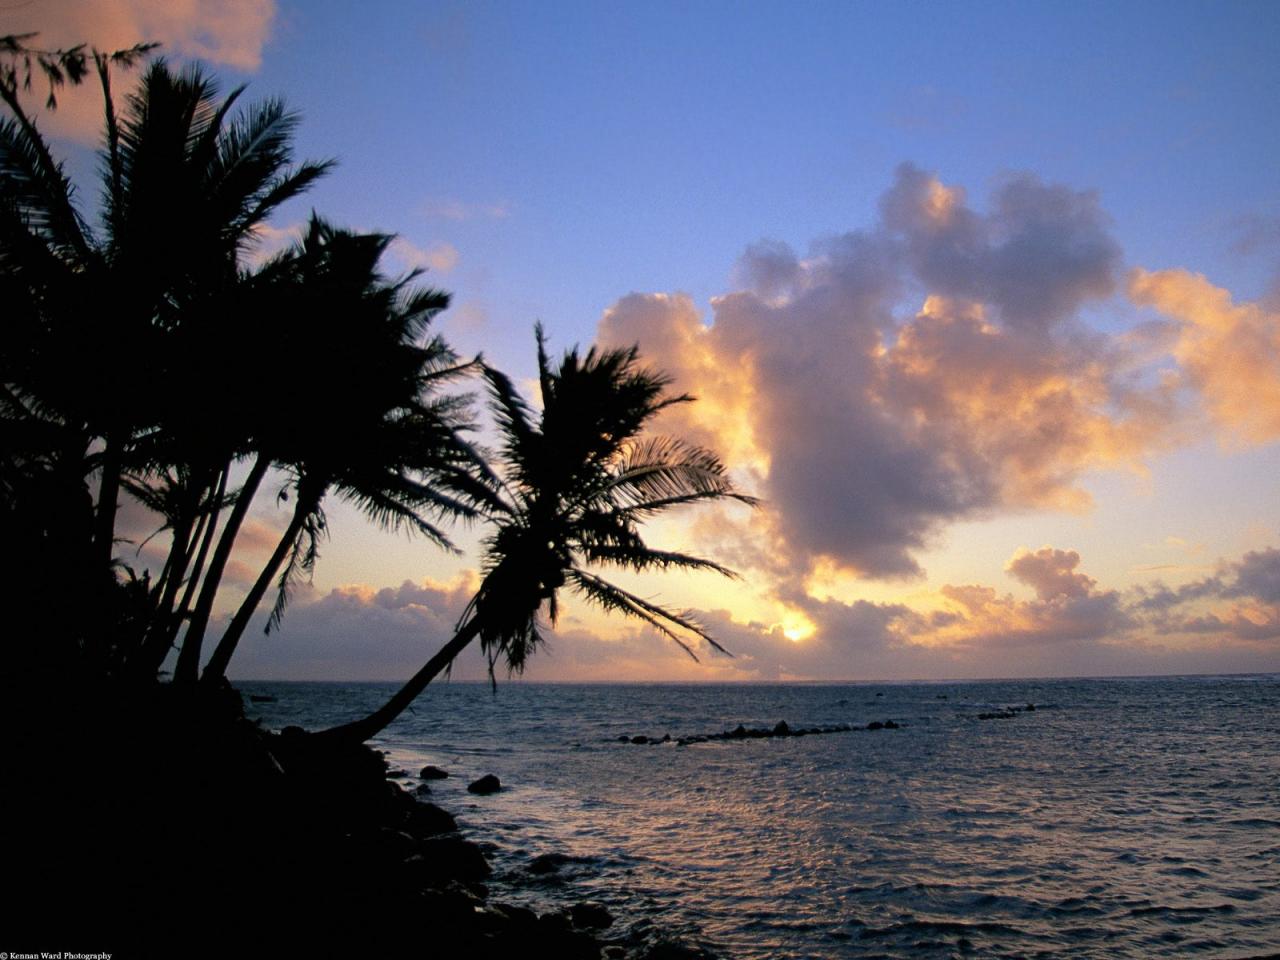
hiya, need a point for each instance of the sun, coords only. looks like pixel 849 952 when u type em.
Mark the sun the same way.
pixel 796 627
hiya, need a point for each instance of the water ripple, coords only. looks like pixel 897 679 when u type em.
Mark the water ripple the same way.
pixel 1121 818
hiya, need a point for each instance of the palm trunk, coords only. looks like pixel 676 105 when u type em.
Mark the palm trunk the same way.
pixel 160 589
pixel 104 527
pixel 159 636
pixel 361 730
pixel 205 533
pixel 188 667
pixel 217 665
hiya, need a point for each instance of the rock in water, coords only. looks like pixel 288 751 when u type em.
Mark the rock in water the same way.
pixel 782 730
pixel 486 784
pixel 590 915
pixel 428 820
pixel 448 858
pixel 545 863
pixel 433 773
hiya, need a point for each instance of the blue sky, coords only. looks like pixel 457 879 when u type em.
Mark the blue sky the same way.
pixel 547 160
pixel 640 147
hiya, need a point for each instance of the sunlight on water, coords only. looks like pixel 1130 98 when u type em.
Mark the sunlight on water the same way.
pixel 1120 818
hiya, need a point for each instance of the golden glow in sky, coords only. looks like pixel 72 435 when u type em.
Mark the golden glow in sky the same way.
pixel 1004 368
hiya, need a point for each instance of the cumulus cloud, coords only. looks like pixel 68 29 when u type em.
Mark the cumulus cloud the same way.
pixel 1039 254
pixel 1051 573
pixel 1228 353
pixel 869 426
pixel 1068 608
pixel 228 32
pixel 358 633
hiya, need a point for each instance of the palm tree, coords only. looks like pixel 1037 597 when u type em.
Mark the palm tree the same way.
pixel 386 439
pixel 118 336
pixel 189 185
pixel 579 478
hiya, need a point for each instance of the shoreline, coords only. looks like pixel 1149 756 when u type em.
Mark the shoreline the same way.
pixel 150 824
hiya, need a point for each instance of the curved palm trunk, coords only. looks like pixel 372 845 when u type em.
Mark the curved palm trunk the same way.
pixel 361 730
pixel 188 667
pixel 217 665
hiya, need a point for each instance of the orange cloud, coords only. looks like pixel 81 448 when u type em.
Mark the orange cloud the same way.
pixel 229 32
pixel 1033 414
pixel 868 432
pixel 1068 609
pixel 1228 352
pixel 674 339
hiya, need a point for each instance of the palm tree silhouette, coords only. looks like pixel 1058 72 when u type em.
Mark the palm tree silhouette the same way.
pixel 579 478
pixel 382 435
pixel 115 331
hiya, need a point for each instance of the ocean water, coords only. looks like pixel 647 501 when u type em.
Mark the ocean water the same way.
pixel 1122 818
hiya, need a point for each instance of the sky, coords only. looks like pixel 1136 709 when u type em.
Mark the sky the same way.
pixel 981 300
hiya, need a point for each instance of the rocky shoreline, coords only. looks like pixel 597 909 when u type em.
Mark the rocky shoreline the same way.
pixel 146 823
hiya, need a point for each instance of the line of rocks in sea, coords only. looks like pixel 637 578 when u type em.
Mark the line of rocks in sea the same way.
pixel 1008 713
pixel 741 732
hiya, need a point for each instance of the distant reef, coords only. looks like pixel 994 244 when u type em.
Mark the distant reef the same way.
pixel 740 732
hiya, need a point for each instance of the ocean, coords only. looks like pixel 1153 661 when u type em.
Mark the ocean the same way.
pixel 1120 818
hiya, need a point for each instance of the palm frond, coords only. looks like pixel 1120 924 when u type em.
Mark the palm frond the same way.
pixel 613 598
pixel 668 467
pixel 303 554
pixel 278 191
pixel 39 191
pixel 641 558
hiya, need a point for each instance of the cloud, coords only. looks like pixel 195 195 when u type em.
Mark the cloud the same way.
pixel 1051 573
pixel 1041 253
pixel 440 257
pixel 358 633
pixel 1228 353
pixel 228 32
pixel 1072 627
pixel 1241 602
pixel 1255 232
pixel 1068 608
pixel 868 427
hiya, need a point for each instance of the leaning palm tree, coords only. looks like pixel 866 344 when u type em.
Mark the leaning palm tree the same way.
pixel 579 478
